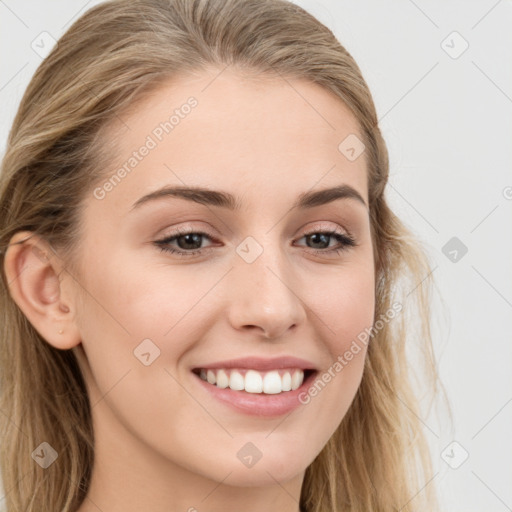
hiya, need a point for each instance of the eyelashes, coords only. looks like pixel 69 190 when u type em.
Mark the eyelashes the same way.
pixel 191 237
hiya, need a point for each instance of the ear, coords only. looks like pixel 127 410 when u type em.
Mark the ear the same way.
pixel 42 289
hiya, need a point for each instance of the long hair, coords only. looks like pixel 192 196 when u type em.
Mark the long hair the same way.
pixel 110 58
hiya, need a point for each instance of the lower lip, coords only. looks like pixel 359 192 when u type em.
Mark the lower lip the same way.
pixel 258 404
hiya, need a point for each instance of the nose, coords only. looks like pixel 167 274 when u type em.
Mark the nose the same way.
pixel 265 296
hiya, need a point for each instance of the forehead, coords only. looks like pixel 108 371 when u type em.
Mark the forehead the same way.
pixel 265 133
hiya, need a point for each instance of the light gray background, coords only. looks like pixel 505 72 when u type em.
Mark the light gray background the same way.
pixel 446 117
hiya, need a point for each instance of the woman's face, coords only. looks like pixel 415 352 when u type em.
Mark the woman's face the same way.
pixel 250 286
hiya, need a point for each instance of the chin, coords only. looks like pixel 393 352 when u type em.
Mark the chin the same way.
pixel 264 472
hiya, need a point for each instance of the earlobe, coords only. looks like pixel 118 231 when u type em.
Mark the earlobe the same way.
pixel 36 278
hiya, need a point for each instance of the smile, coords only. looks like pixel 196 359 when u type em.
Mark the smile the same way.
pixel 253 381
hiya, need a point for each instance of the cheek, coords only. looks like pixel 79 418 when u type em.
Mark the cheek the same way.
pixel 344 304
pixel 130 300
pixel 345 307
pixel 128 304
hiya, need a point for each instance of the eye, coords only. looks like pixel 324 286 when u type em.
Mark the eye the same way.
pixel 189 242
pixel 322 238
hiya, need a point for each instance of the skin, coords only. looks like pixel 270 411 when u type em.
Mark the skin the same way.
pixel 162 444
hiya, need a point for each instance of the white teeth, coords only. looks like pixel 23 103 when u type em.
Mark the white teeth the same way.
pixel 287 382
pixel 297 379
pixel 252 381
pixel 236 381
pixel 272 383
pixel 210 377
pixel 222 379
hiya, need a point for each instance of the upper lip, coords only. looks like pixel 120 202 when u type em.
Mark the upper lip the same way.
pixel 260 363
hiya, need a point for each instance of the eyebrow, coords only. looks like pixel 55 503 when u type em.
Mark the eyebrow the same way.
pixel 222 199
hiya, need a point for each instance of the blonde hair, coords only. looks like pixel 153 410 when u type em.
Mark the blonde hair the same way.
pixel 110 58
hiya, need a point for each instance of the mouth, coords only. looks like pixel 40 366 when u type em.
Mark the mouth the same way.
pixel 271 382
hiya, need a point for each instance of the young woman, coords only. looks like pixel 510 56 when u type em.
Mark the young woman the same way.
pixel 206 299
